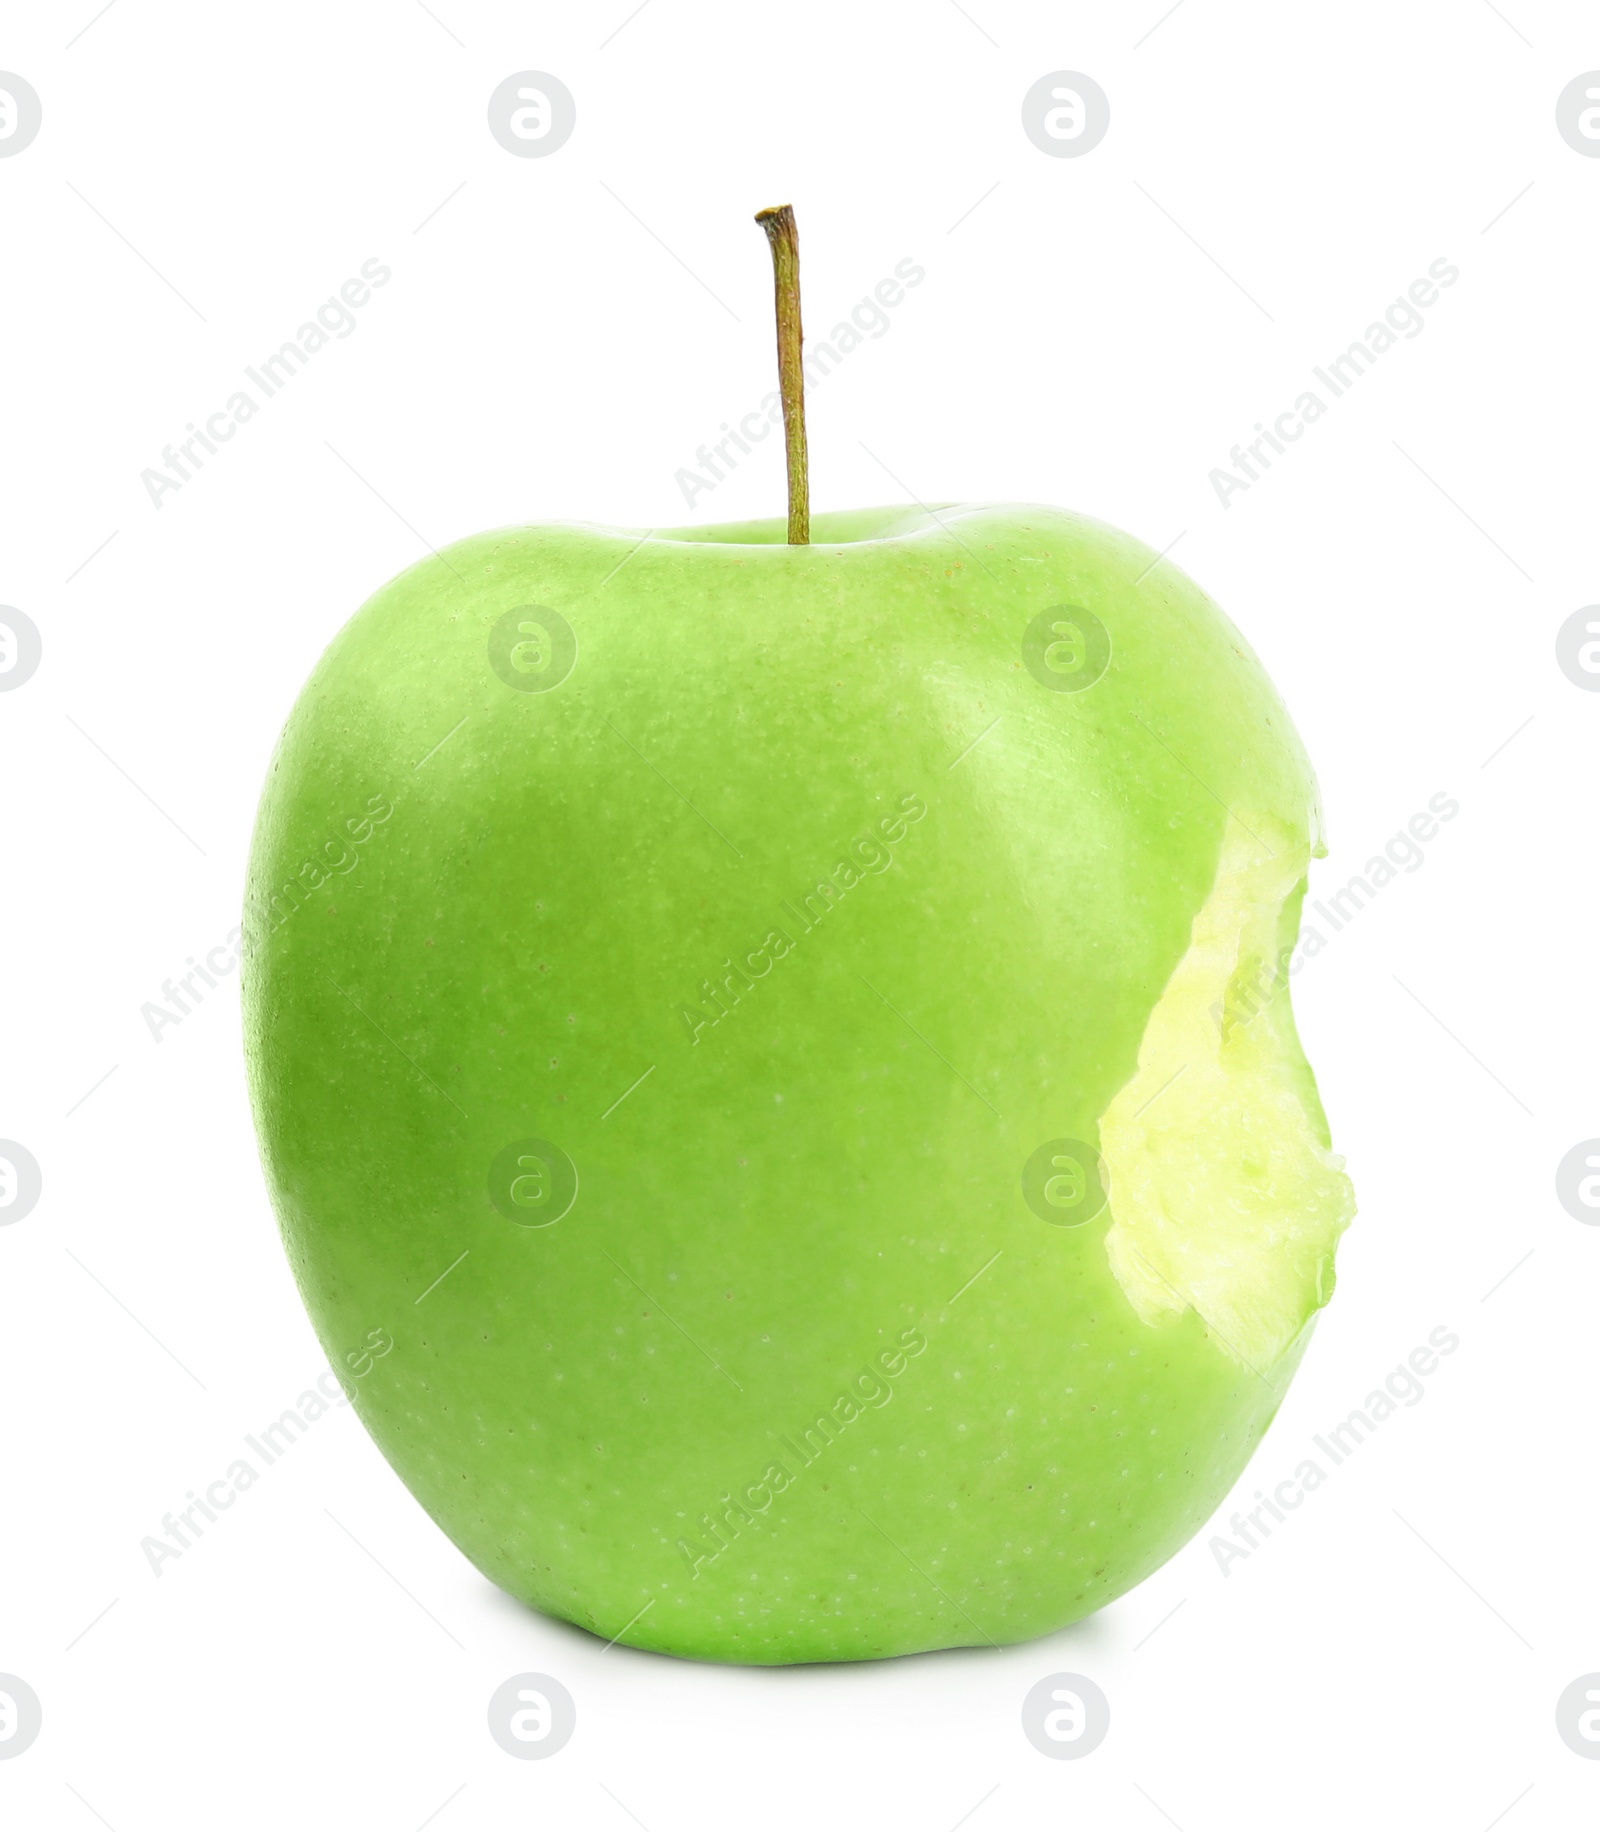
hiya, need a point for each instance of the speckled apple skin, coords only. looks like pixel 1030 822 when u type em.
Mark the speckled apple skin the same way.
pixel 811 1206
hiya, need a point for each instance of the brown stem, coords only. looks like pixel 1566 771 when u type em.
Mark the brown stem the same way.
pixel 785 239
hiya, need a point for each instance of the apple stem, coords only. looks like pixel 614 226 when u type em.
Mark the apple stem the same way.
pixel 785 240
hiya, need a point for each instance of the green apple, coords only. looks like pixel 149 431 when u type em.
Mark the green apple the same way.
pixel 791 1045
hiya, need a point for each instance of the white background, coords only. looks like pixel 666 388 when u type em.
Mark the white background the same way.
pixel 205 177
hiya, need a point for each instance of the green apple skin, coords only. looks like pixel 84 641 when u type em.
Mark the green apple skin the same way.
pixel 477 915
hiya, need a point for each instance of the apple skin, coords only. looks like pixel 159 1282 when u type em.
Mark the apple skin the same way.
pixel 812 1205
